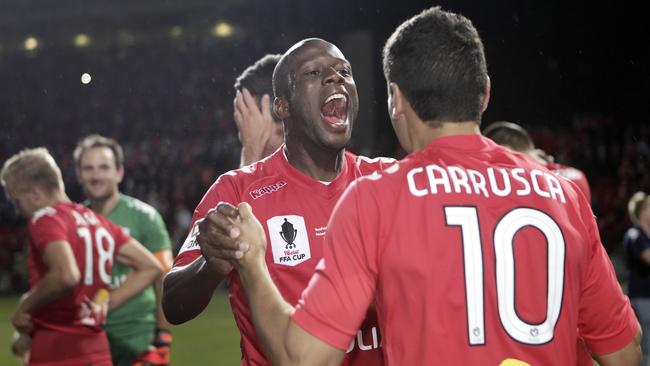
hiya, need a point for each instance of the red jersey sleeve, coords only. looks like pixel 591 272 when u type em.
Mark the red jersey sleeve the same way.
pixel 47 226
pixel 576 176
pixel 368 165
pixel 223 190
pixel 606 320
pixel 335 302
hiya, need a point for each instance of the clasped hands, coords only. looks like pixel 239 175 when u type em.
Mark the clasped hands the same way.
pixel 231 236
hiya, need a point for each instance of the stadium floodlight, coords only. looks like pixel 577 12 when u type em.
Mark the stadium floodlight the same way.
pixel 86 78
pixel 222 30
pixel 176 31
pixel 31 43
pixel 81 40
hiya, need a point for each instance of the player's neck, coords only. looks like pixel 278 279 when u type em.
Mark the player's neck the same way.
pixel 318 163
pixel 52 200
pixel 106 205
pixel 424 134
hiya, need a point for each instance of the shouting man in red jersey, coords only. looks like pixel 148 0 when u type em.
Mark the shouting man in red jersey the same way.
pixel 473 254
pixel 293 192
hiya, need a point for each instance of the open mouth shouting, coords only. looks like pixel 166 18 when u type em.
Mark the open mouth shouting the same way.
pixel 335 110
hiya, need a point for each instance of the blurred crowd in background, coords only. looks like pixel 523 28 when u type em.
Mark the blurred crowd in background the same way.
pixel 169 102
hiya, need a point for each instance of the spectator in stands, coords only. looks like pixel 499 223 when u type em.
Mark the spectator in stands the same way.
pixel 636 244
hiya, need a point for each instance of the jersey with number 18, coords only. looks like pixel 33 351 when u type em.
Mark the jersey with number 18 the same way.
pixel 94 240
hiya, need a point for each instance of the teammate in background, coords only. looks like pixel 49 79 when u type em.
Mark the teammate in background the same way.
pixel 475 255
pixel 636 244
pixel 517 138
pixel 138 331
pixel 71 255
pixel 260 132
pixel 293 190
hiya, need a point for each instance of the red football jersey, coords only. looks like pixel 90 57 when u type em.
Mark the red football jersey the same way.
pixel 577 176
pixel 473 255
pixel 293 209
pixel 94 240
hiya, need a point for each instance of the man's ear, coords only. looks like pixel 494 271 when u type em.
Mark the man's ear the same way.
pixel 396 101
pixel 37 194
pixel 281 108
pixel 120 174
pixel 486 99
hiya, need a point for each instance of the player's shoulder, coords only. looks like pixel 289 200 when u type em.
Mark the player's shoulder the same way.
pixel 566 171
pixel 44 213
pixel 264 174
pixel 390 174
pixel 368 165
pixel 138 206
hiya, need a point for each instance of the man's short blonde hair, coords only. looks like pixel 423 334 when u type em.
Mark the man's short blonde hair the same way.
pixel 32 167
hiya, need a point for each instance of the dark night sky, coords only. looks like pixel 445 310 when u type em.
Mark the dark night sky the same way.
pixel 548 60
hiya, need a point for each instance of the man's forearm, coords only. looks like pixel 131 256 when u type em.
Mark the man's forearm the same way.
pixel 630 355
pixel 271 313
pixel 161 320
pixel 136 281
pixel 188 290
pixel 250 155
pixel 51 287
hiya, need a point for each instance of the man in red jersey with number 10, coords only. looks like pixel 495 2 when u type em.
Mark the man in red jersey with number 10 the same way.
pixel 474 255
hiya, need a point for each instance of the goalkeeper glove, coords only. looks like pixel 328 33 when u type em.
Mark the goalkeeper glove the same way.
pixel 159 352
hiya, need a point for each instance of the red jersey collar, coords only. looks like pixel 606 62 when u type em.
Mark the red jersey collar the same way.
pixel 334 187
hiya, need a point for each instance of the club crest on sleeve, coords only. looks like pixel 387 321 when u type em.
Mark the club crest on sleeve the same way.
pixel 289 240
pixel 190 242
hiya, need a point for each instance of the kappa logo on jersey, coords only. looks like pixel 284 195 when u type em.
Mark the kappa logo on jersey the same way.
pixel 257 193
pixel 289 240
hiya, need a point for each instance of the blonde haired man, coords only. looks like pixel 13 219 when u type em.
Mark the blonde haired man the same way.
pixel 71 255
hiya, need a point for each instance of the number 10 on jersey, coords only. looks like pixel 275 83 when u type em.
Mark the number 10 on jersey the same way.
pixel 504 234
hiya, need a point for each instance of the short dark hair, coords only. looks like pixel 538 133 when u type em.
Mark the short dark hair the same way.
pixel 92 141
pixel 509 134
pixel 258 78
pixel 282 77
pixel 437 60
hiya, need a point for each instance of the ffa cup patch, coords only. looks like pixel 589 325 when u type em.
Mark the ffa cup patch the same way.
pixel 289 241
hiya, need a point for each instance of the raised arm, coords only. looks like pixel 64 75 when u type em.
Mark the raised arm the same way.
pixel 258 132
pixel 629 355
pixel 145 270
pixel 187 290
